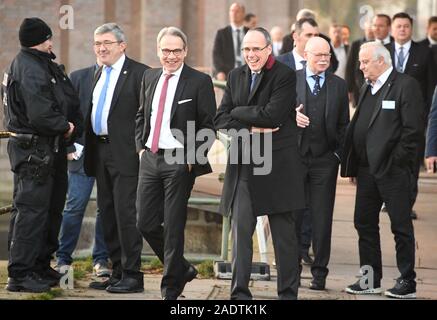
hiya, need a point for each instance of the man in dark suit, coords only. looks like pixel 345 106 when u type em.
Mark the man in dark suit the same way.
pixel 431 137
pixel 174 99
pixel 415 60
pixel 80 187
pixel 380 149
pixel 226 53
pixel 288 41
pixel 259 99
pixel 381 25
pixel 305 29
pixel 431 40
pixel 354 76
pixel 323 113
pixel 110 156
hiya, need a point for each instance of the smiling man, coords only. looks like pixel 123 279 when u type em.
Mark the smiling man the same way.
pixel 110 156
pixel 173 98
pixel 260 97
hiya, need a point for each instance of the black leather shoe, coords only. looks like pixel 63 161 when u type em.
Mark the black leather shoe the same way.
pixel 49 276
pixel 43 278
pixel 28 283
pixel 413 214
pixel 98 285
pixel 127 285
pixel 189 275
pixel 306 259
pixel 317 284
pixel 170 297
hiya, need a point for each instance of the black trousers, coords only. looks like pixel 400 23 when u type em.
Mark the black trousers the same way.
pixel 162 200
pixel 394 190
pixel 321 183
pixel 416 170
pixel 36 217
pixel 116 196
pixel 284 243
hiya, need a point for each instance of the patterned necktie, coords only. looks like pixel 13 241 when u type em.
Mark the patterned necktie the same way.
pixel 317 88
pixel 101 103
pixel 160 114
pixel 401 60
pixel 252 84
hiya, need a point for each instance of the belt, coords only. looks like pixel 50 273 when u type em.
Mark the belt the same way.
pixel 161 151
pixel 103 139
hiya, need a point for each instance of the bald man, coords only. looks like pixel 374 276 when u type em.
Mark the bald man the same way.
pixel 277 34
pixel 323 115
pixel 226 53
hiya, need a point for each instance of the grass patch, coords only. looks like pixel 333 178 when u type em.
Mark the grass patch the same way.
pixel 52 294
pixel 152 266
pixel 82 267
pixel 3 275
pixel 206 269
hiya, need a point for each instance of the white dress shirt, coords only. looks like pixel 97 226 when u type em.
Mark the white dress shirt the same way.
pixel 166 138
pixel 406 50
pixel 298 60
pixel 386 40
pixel 113 78
pixel 340 53
pixel 381 80
pixel 277 47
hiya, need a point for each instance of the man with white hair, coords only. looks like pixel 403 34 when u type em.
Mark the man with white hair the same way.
pixel 379 152
pixel 323 115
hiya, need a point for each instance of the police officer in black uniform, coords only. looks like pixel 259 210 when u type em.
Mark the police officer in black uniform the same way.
pixel 42 113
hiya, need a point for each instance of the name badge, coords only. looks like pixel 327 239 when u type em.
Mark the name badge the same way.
pixel 388 105
pixel 5 79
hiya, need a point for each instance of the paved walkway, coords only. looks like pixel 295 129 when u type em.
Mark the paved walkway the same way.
pixel 343 266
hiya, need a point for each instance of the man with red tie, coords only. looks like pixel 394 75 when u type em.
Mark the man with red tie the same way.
pixel 176 102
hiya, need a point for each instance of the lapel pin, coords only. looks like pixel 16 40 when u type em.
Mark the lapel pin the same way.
pixel 125 72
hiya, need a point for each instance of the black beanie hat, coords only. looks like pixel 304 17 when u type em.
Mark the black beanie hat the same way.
pixel 34 31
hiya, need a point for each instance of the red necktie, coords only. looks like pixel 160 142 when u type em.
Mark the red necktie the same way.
pixel 158 123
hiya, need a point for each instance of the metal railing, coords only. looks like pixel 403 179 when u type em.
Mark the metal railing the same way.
pixel 191 201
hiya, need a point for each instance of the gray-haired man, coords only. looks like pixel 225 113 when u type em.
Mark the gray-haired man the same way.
pixel 380 148
pixel 110 156
pixel 173 97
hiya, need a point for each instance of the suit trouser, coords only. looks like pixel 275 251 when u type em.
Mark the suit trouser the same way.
pixel 36 218
pixel 321 183
pixel 416 170
pixel 284 244
pixel 163 193
pixel 116 196
pixel 394 190
pixel 304 231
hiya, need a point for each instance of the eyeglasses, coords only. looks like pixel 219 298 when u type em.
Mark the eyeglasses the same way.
pixel 320 55
pixel 105 43
pixel 254 50
pixel 176 52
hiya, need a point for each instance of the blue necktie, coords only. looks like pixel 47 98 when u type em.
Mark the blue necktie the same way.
pixel 101 103
pixel 401 60
pixel 252 84
pixel 317 88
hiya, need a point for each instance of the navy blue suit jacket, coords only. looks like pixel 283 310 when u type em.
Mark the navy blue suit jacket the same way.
pixel 82 80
